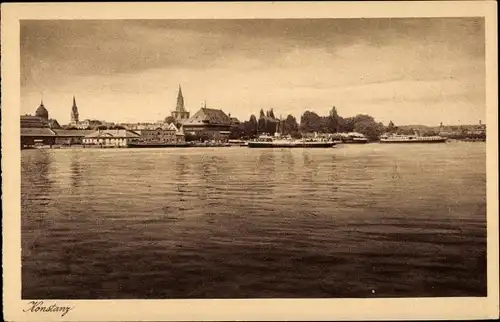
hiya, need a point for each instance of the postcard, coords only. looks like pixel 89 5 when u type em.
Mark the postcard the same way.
pixel 250 161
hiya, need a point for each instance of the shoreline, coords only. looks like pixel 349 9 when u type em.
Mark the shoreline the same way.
pixel 73 147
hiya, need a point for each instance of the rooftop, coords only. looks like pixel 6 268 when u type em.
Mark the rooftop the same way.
pixel 37 132
pixel 72 133
pixel 209 116
pixel 112 134
pixel 30 121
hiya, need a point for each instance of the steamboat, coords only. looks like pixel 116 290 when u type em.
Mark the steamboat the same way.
pixel 411 139
pixel 276 142
pixel 354 138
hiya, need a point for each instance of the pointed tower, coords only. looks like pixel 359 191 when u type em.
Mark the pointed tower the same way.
pixel 180 101
pixel 180 114
pixel 74 112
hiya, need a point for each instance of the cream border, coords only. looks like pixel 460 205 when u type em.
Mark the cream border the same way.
pixel 335 309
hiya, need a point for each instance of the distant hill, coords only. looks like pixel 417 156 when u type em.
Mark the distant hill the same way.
pixel 419 127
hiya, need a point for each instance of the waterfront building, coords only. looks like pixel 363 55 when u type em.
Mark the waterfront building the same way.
pixel 70 137
pixel 46 136
pixel 30 121
pixel 234 121
pixel 179 136
pixel 110 138
pixel 213 122
pixel 167 134
pixel 38 129
pixel 145 126
pixel 31 136
pixel 460 131
pixel 180 114
pixel 39 120
pixel 268 125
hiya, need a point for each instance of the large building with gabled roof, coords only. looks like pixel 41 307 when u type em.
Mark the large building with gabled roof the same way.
pixel 168 133
pixel 210 121
pixel 110 138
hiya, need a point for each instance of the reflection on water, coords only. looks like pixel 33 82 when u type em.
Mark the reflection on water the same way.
pixel 353 221
pixel 76 170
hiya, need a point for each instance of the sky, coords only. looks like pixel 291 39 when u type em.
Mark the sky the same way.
pixel 408 70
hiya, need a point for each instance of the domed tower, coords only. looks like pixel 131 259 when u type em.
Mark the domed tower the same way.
pixel 42 112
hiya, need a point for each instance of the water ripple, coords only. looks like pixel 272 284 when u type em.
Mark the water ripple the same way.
pixel 240 223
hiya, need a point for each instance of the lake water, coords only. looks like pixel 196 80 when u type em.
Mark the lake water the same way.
pixel 352 221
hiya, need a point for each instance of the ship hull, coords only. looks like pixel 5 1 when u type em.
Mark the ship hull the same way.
pixel 354 142
pixel 291 145
pixel 159 145
pixel 412 141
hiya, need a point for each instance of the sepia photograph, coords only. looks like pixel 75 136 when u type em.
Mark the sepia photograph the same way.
pixel 252 158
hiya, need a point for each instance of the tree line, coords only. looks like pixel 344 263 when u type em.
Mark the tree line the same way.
pixel 310 122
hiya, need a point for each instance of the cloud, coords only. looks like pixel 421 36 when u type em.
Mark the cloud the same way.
pixel 130 70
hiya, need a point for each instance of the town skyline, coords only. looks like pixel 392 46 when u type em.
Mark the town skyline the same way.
pixel 203 104
pixel 411 71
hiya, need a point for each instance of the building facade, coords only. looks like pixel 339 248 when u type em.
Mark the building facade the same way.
pixel 88 124
pixel 110 138
pixel 180 114
pixel 39 120
pixel 38 129
pixel 145 126
pixel 168 134
pixel 234 121
pixel 29 121
pixel 463 131
pixel 70 137
pixel 32 137
pixel 212 123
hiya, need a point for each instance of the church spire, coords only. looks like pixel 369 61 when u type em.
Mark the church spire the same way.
pixel 74 112
pixel 180 114
pixel 180 101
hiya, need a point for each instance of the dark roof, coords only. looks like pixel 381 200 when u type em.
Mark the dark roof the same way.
pixel 37 132
pixel 72 133
pixel 42 111
pixel 209 116
pixel 30 117
pixel 29 121
pixel 54 124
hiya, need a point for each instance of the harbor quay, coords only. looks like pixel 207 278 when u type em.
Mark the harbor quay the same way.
pixel 210 127
pixel 207 127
